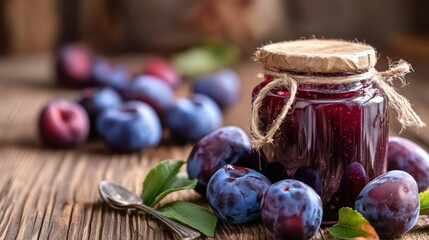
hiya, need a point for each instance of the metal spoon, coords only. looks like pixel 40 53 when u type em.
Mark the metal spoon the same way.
pixel 120 198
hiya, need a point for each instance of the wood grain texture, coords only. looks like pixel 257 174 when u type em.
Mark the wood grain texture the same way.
pixel 32 26
pixel 52 194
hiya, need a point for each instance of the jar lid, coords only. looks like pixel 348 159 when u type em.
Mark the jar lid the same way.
pixel 317 55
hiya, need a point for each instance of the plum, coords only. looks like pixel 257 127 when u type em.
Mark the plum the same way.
pixel 63 123
pixel 227 145
pixel 405 155
pixel 390 203
pixel 163 70
pixel 96 100
pixel 291 210
pixel 104 73
pixel 354 179
pixel 153 91
pixel 235 193
pixel 192 118
pixel 223 87
pixel 129 127
pixel 73 65
pixel 310 176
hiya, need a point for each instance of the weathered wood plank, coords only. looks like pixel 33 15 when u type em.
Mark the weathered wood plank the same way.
pixel 52 194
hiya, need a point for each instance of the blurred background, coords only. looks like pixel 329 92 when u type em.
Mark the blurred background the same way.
pixel 166 26
pixel 198 37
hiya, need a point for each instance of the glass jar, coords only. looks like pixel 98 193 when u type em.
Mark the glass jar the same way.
pixel 334 136
pixel 329 127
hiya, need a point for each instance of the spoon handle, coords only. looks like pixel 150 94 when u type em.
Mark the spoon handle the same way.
pixel 181 230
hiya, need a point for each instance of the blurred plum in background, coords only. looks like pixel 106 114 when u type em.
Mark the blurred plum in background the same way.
pixel 153 91
pixel 96 100
pixel 223 87
pixel 129 127
pixel 192 118
pixel 74 65
pixel 63 124
pixel 105 73
pixel 163 70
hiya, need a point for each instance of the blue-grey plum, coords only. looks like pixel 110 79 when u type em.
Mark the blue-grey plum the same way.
pixel 129 127
pixel 227 145
pixel 223 87
pixel 291 210
pixel 390 203
pixel 96 100
pixel 105 73
pixel 153 91
pixel 192 118
pixel 235 193
pixel 405 155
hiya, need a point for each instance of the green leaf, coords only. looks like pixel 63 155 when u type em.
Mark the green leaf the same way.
pixel 192 215
pixel 163 179
pixel 424 202
pixel 205 58
pixel 352 225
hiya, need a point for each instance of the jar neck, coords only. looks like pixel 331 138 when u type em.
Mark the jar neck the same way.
pixel 335 88
pixel 331 88
pixel 324 74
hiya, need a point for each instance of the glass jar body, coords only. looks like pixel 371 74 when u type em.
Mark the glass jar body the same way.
pixel 329 127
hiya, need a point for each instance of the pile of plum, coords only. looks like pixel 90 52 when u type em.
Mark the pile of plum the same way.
pixel 129 111
pixel 222 163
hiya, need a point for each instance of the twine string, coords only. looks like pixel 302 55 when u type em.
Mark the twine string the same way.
pixel 384 80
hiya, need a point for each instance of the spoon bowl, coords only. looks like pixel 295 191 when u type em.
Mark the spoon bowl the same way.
pixel 121 198
pixel 118 195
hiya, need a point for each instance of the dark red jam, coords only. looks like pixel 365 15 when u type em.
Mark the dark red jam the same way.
pixel 329 127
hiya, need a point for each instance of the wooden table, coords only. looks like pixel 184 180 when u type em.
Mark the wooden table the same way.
pixel 52 194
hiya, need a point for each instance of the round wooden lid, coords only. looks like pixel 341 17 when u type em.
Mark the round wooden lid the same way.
pixel 317 55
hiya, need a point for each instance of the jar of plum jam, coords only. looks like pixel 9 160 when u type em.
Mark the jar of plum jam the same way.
pixel 334 134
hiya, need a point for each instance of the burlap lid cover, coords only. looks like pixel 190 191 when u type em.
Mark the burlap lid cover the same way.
pixel 317 55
